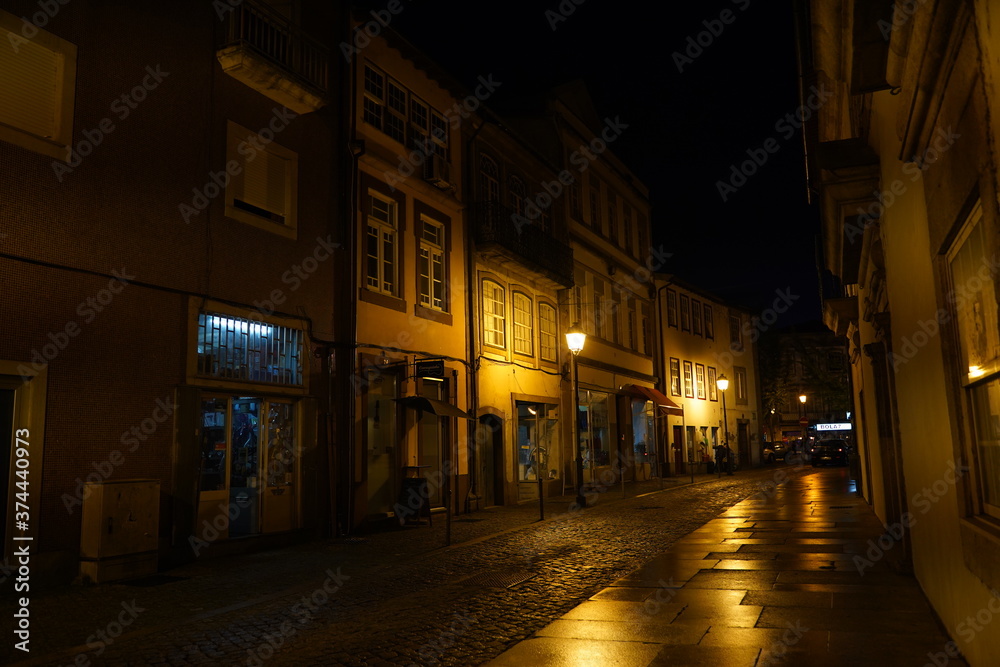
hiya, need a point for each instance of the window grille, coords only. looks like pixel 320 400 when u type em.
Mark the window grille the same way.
pixel 235 348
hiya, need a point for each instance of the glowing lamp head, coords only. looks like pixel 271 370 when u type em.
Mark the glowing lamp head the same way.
pixel 722 383
pixel 575 338
pixel 802 399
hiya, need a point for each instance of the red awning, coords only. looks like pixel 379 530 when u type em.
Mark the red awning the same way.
pixel 651 394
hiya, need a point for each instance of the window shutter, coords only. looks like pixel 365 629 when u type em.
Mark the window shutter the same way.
pixel 29 80
pixel 265 180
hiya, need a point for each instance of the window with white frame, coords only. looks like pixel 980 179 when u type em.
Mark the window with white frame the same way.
pixel 699 380
pixel 735 333
pixel 42 73
pixel 381 246
pixel 264 191
pixel 689 379
pixel 374 97
pixel 392 108
pixel 547 339
pixel 709 323
pixel 494 314
pixel 685 312
pixel 671 308
pixel 575 200
pixel 432 264
pixel 675 376
pixel 713 388
pixel 523 329
pixel 696 315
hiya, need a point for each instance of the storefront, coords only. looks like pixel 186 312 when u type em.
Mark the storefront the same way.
pixel 596 429
pixel 537 450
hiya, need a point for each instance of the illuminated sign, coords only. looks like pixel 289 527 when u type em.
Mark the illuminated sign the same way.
pixel 842 426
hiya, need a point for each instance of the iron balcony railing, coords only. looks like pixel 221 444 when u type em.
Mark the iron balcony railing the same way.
pixel 255 26
pixel 495 224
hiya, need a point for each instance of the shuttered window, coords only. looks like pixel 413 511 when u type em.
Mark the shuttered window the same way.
pixel 37 79
pixel 264 192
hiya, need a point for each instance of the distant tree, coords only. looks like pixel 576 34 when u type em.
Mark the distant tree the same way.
pixel 775 386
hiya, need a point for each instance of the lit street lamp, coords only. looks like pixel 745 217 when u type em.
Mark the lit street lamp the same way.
pixel 575 340
pixel 723 384
pixel 803 422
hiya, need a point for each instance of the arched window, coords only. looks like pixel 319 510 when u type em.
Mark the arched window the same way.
pixel 516 189
pixel 489 179
pixel 494 309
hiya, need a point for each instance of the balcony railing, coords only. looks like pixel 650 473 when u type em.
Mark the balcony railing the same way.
pixel 528 242
pixel 258 28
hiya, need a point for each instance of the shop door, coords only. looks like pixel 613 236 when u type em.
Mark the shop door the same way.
pixel 383 465
pixel 490 443
pixel 278 501
pixel 244 466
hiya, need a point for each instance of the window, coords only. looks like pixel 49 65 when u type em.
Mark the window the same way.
pixel 237 348
pixel 575 201
pixel 523 330
pixel 264 191
pixel 494 307
pixel 630 337
pixel 391 108
pixel 489 179
pixel 713 389
pixel 834 362
pixel 432 265
pixel 685 312
pixel 735 335
pixel 688 379
pixel 627 225
pixel 515 189
pixel 602 319
pixel 616 324
pixel 643 229
pixel 699 379
pixel 675 376
pixel 979 350
pixel 644 329
pixel 381 250
pixel 42 71
pixel 696 317
pixel 595 204
pixel 741 385
pixel 709 323
pixel 671 308
pixel 547 331
pixel 613 218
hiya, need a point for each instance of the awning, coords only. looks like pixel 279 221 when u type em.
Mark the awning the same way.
pixel 650 394
pixel 433 406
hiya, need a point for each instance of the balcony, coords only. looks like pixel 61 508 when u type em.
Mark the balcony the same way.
pixel 536 249
pixel 265 51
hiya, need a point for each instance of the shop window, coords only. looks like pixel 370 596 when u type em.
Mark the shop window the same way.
pixel 494 317
pixel 537 433
pixel 979 346
pixel 235 348
pixel 264 191
pixel 42 71
pixel 595 431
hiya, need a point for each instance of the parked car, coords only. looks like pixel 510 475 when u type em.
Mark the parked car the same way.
pixel 774 451
pixel 833 452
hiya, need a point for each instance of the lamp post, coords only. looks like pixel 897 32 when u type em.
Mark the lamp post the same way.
pixel 803 422
pixel 723 384
pixel 575 340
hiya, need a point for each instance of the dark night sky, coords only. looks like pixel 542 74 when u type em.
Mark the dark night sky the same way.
pixel 686 128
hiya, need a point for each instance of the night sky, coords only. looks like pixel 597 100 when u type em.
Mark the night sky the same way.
pixel 691 117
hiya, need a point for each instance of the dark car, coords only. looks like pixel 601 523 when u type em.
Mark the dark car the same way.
pixel 832 452
pixel 774 451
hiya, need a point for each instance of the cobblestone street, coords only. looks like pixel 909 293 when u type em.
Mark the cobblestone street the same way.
pixel 391 598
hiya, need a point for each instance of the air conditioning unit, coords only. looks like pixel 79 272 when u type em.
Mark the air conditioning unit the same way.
pixel 437 171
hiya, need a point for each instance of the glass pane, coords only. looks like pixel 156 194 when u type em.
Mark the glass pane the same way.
pixel 213 445
pixel 280 445
pixel 986 399
pixel 245 436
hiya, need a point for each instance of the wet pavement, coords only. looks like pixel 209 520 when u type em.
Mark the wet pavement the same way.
pixel 712 571
pixel 781 578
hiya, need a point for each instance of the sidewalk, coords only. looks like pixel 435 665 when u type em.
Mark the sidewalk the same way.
pixel 771 581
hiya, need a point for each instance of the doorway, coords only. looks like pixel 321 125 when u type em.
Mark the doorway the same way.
pixel 490 443
pixel 383 458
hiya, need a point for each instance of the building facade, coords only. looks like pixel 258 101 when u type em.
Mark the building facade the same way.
pixel 168 223
pixel 902 162
pixel 704 340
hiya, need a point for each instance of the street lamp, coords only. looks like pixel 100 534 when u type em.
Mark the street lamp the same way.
pixel 575 340
pixel 723 384
pixel 803 422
